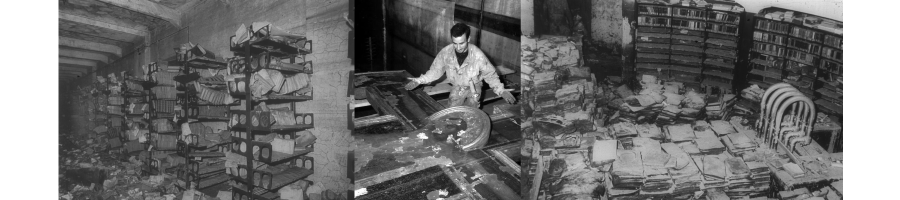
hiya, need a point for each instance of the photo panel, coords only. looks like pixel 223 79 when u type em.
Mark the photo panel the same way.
pixel 645 99
pixel 437 99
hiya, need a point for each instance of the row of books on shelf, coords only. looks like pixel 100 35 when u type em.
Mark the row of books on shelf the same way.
pixel 784 28
pixel 778 45
pixel 716 12
pixel 727 29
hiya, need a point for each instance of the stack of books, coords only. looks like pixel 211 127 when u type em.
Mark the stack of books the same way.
pixel 713 170
pixel 628 170
pixel 688 115
pixel 794 170
pixel 680 133
pixel 668 114
pixel 688 178
pixel 705 133
pixel 722 127
pixel 624 130
pixel 738 176
pixel 646 145
pixel 658 180
pixel 746 108
pixel 650 131
pixel 716 194
pixel 715 109
pixel 739 143
pixel 612 192
pixel 700 125
pixel 649 114
pixel 603 152
pixel 710 146
pixel 690 148
pixel 570 97
pixel 759 175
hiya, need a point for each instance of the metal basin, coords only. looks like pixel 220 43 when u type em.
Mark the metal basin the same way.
pixel 478 125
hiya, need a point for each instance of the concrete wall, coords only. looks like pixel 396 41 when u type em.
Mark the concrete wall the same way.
pixel 606 24
pixel 553 17
pixel 628 31
pixel 610 32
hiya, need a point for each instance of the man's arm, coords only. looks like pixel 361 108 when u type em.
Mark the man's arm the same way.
pixel 435 71
pixel 489 74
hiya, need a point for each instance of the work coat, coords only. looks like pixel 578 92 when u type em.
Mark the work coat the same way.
pixel 466 78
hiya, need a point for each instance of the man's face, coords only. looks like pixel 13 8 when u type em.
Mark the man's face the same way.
pixel 461 43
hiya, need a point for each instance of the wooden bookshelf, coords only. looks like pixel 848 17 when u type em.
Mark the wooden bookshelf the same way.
pixel 802 49
pixel 689 43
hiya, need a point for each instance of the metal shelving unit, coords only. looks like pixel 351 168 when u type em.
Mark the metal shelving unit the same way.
pixel 160 143
pixel 204 169
pixel 270 170
pixel 135 92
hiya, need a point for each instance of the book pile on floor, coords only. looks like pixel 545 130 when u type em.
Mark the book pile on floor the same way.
pixel 717 104
pixel 722 127
pixel 685 173
pixel 713 170
pixel 710 146
pixel 716 194
pixel 627 171
pixel 658 180
pixel 658 102
pixel 624 130
pixel 703 130
pixel 738 175
pixel 645 145
pixel 650 131
pixel 560 94
pixel 759 175
pixel 680 133
pixel 739 143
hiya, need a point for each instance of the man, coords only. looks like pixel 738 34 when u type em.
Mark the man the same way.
pixel 466 66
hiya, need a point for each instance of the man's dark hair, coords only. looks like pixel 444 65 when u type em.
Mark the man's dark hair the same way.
pixel 459 29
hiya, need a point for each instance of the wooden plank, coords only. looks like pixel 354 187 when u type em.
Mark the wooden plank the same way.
pixel 501 50
pixel 421 23
pixel 390 98
pixel 498 24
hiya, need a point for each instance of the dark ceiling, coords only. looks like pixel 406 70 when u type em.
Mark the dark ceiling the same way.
pixel 94 33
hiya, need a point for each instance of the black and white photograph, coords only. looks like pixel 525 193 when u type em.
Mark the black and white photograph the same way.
pixel 682 99
pixel 201 99
pixel 448 99
pixel 436 99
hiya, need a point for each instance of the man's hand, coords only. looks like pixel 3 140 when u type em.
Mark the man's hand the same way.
pixel 508 97
pixel 412 84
